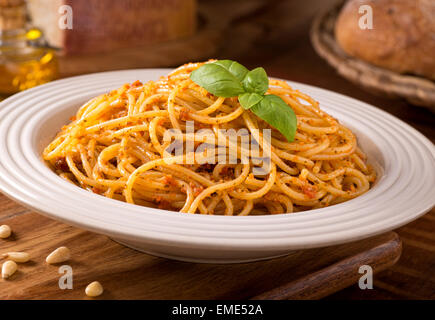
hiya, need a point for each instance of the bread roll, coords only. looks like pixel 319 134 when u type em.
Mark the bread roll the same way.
pixel 402 38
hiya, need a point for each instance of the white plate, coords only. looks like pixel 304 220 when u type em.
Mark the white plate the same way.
pixel 405 190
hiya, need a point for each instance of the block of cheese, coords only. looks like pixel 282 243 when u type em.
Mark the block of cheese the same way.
pixel 106 25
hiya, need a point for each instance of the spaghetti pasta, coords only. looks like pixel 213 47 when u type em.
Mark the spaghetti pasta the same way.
pixel 115 146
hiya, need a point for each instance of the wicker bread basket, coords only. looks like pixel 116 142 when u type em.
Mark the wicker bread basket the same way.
pixel 416 90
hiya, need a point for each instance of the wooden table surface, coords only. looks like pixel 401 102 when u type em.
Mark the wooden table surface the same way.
pixel 275 36
pixel 128 274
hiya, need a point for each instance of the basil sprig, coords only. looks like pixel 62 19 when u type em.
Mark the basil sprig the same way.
pixel 226 78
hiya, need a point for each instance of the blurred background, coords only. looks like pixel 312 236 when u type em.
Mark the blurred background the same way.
pixel 318 42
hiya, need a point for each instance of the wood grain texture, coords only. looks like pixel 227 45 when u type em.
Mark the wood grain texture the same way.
pixel 413 276
pixel 128 274
pixel 382 253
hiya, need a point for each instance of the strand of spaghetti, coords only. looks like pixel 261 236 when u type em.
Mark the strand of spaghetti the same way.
pixel 317 166
pixel 324 144
pixel 131 103
pixel 151 99
pixel 148 166
pixel 87 181
pixel 54 149
pixel 292 146
pixel 171 106
pixel 358 174
pixel 85 161
pixel 281 181
pixel 330 175
pixel 294 158
pixel 104 157
pixel 138 102
pixel 153 135
pixel 282 199
pixel 273 207
pixel 216 105
pixel 229 206
pixel 82 114
pixel 360 163
pixel 184 172
pixel 116 122
pixel 189 193
pixel 91 152
pixel 261 192
pixel 275 158
pixel 185 68
pixel 217 120
pixel 128 130
pixel 217 187
pixel 253 183
pixel 87 105
pixel 247 208
pixel 213 203
pixel 325 186
pixel 317 130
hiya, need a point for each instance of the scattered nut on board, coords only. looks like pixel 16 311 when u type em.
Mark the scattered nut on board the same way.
pixel 8 269
pixel 94 289
pixel 17 256
pixel 59 255
pixel 5 231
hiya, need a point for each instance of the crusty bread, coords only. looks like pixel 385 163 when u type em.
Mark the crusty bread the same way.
pixel 402 38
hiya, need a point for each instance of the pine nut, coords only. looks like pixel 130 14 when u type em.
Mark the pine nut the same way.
pixel 59 255
pixel 17 256
pixel 8 269
pixel 94 289
pixel 5 231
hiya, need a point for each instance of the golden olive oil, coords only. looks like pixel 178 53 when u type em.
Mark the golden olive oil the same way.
pixel 25 59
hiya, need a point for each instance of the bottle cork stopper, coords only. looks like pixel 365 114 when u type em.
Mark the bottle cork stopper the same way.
pixel 12 14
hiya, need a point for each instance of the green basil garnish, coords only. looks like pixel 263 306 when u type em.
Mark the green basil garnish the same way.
pixel 223 79
pixel 226 78
pixel 248 99
pixel 256 81
pixel 235 68
pixel 278 114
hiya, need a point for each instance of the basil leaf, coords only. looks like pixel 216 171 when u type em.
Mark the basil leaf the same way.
pixel 218 80
pixel 227 78
pixel 278 114
pixel 235 68
pixel 247 100
pixel 256 81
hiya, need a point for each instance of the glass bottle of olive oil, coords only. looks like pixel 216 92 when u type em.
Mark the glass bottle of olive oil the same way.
pixel 25 59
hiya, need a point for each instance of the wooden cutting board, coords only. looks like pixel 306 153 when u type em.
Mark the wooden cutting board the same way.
pixel 129 274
